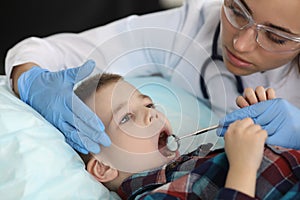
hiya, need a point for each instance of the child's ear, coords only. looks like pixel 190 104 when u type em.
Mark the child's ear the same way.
pixel 100 171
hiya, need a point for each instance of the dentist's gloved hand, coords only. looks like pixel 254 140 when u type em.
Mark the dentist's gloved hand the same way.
pixel 277 116
pixel 51 94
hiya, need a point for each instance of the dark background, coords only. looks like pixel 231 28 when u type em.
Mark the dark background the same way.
pixel 22 19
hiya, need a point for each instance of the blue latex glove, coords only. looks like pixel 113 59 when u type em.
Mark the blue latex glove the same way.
pixel 278 117
pixel 51 94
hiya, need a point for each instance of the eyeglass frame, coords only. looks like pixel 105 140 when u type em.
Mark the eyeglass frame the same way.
pixel 258 27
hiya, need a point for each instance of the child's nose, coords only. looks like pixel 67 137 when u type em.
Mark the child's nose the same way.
pixel 150 115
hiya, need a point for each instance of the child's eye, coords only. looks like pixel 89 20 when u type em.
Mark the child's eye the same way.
pixel 150 105
pixel 126 118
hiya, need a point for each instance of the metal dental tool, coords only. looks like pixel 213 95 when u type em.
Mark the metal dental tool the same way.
pixel 173 140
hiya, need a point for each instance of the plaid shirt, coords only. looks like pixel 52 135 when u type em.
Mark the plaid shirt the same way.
pixel 196 177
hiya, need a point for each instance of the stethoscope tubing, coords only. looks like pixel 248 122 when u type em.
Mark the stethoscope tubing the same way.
pixel 214 57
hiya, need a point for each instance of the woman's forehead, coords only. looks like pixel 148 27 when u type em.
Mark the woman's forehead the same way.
pixel 279 13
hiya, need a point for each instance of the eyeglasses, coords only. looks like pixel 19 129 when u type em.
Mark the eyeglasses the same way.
pixel 269 38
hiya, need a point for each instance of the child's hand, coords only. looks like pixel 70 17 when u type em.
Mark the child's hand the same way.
pixel 244 145
pixel 251 97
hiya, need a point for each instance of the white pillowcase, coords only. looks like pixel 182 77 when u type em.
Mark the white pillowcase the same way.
pixel 36 163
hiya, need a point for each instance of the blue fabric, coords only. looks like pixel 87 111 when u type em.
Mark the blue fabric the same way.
pixel 35 161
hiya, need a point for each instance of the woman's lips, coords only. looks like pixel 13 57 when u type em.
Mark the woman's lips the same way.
pixel 236 60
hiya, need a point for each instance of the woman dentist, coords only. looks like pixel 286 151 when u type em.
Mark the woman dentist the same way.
pixel 212 48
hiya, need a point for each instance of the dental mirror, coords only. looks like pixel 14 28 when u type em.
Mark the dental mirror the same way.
pixel 173 140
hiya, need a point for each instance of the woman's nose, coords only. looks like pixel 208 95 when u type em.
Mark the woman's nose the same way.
pixel 245 40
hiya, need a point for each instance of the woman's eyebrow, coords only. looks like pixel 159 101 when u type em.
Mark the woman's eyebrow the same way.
pixel 268 24
pixel 280 28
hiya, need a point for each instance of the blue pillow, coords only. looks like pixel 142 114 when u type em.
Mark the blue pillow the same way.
pixel 35 161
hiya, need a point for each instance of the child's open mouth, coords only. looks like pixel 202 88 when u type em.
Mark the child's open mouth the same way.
pixel 162 145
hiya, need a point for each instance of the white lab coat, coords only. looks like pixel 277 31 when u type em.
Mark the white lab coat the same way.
pixel 173 43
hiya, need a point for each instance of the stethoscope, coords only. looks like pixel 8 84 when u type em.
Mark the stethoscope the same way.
pixel 215 56
pixel 173 141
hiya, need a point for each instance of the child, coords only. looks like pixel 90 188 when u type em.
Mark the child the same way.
pixel 139 165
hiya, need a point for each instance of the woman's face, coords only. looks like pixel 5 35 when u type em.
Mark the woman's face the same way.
pixel 242 54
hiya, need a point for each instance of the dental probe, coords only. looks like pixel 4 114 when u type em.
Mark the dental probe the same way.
pixel 173 139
